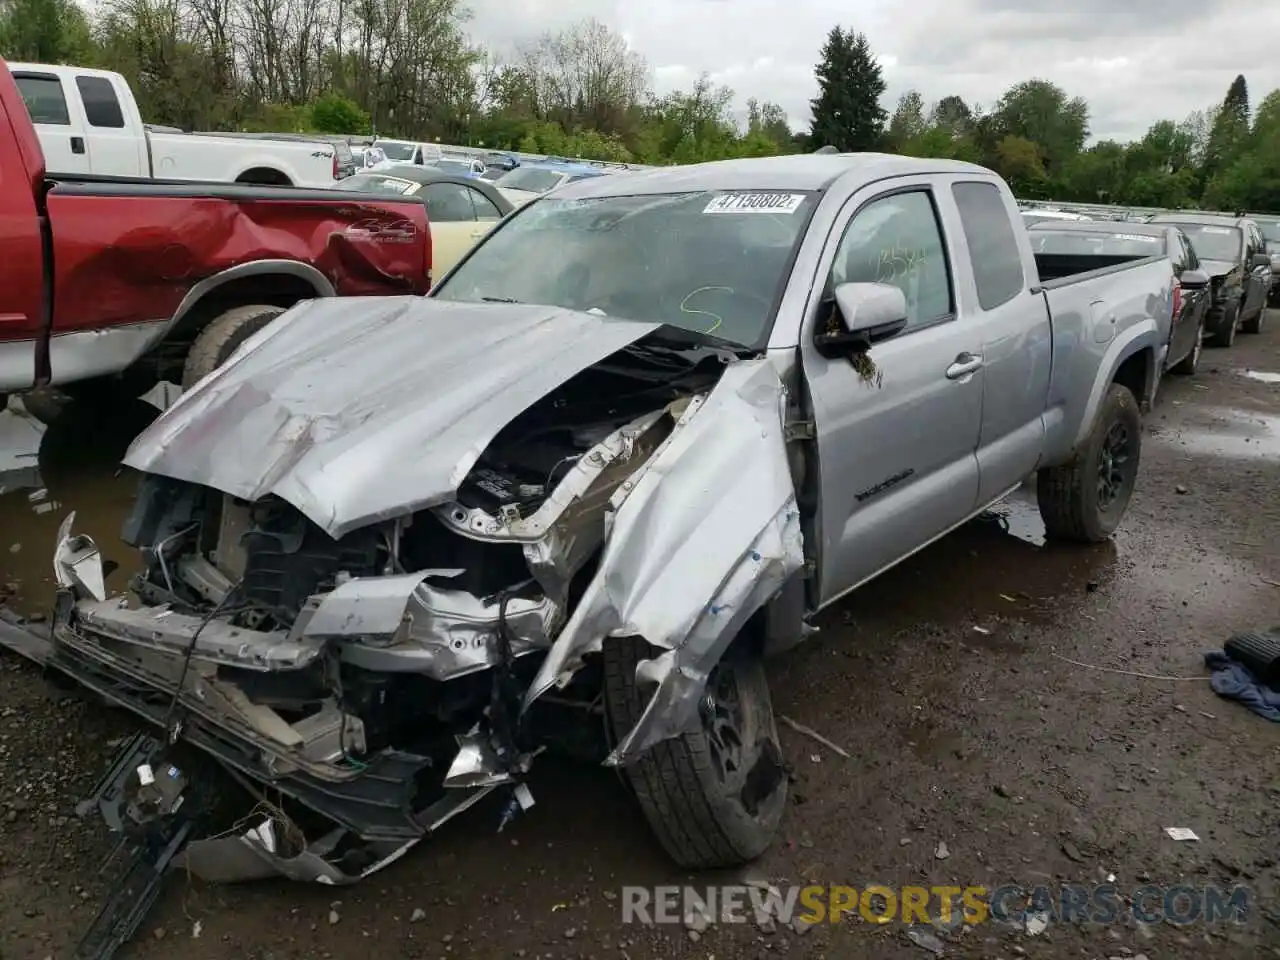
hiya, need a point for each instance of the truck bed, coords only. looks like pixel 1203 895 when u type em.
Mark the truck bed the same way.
pixel 1059 266
pixel 1101 309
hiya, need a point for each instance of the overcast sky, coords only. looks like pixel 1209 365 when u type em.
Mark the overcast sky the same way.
pixel 1135 61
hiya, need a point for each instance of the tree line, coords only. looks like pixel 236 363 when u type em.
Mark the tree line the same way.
pixel 406 68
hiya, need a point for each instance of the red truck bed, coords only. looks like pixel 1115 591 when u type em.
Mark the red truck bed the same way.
pixel 104 274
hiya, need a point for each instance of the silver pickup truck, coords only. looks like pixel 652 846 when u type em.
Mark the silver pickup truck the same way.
pixel 627 448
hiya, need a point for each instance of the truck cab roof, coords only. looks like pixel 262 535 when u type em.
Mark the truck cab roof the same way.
pixel 794 172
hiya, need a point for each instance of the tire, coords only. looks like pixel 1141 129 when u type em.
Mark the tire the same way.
pixel 1254 324
pixel 701 814
pixel 1189 364
pixel 222 336
pixel 1221 321
pixel 1071 497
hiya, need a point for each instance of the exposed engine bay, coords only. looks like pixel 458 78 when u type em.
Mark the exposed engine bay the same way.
pixel 389 675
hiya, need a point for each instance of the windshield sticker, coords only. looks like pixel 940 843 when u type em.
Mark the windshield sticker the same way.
pixel 1136 237
pixel 755 203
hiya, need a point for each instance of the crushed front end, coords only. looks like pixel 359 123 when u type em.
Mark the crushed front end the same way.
pixel 389 674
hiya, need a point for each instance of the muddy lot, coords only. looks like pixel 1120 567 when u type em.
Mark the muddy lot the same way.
pixel 945 680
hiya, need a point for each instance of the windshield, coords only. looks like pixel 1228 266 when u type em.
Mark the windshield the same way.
pixel 709 262
pixel 1071 242
pixel 454 166
pixel 532 179
pixel 377 183
pixel 396 151
pixel 493 173
pixel 1213 243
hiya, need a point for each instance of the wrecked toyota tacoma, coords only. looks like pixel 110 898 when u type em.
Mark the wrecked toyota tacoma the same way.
pixel 625 450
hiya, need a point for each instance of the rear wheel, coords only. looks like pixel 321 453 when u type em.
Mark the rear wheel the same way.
pixel 222 336
pixel 1086 499
pixel 713 796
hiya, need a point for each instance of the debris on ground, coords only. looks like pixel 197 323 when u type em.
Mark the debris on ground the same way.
pixel 940 852
pixel 1181 833
pixel 1037 923
pixel 813 734
pixel 925 939
pixel 1234 681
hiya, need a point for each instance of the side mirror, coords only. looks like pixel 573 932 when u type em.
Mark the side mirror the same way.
pixel 1260 260
pixel 1275 263
pixel 869 313
pixel 1194 279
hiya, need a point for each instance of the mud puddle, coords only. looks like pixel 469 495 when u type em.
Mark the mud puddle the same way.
pixel 1226 432
pixel 1262 376
pixel 996 571
pixel 48 471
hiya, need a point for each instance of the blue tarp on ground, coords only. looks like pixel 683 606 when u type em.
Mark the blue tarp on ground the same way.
pixel 1233 680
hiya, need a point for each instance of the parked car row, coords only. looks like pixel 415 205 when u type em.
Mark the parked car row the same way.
pixel 1233 253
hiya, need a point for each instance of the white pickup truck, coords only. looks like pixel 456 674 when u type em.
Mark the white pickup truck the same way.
pixel 88 122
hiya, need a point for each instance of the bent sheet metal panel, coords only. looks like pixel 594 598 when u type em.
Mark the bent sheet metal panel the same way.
pixel 130 252
pixel 357 410
pixel 709 533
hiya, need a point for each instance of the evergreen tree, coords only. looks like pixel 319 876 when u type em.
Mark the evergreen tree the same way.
pixel 1230 132
pixel 1236 101
pixel 847 112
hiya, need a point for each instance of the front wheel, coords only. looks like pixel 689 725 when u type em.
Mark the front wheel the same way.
pixel 1085 499
pixel 713 796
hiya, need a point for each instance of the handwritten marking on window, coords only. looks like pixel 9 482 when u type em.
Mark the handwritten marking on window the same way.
pixel 896 264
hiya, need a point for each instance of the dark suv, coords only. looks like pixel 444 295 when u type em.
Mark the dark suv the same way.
pixel 1233 253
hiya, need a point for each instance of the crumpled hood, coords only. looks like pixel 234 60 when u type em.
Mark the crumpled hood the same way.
pixel 360 409
pixel 1217 268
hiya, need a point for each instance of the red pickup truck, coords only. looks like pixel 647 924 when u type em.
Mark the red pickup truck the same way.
pixel 102 275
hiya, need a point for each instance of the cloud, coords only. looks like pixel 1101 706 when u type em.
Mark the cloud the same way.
pixel 1135 61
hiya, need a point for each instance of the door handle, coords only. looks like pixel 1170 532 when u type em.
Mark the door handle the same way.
pixel 963 365
pixel 77 144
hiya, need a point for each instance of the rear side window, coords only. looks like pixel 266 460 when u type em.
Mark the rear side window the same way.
pixel 997 262
pixel 486 209
pixel 101 106
pixel 43 96
pixel 449 203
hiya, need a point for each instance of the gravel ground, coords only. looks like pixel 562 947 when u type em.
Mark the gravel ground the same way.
pixel 1029 769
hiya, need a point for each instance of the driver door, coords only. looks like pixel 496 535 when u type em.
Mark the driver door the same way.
pixel 898 451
